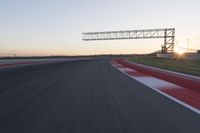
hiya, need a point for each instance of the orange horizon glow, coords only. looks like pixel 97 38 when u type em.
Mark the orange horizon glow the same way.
pixel 46 32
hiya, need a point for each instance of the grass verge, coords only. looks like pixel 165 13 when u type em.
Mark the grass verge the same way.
pixel 183 66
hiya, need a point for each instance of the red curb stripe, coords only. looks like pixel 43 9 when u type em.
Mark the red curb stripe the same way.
pixel 136 73
pixel 179 94
pixel 186 96
pixel 181 80
pixel 24 63
pixel 13 64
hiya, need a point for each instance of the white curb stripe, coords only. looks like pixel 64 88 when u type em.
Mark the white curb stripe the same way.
pixel 125 69
pixel 145 82
pixel 156 83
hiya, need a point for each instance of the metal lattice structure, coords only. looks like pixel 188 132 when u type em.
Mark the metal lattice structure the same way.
pixel 168 34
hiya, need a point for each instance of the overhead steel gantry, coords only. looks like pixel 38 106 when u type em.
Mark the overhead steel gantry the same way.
pixel 168 34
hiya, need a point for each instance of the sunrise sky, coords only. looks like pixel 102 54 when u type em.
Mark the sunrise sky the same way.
pixel 54 27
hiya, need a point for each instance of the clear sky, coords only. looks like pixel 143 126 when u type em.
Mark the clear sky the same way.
pixel 54 27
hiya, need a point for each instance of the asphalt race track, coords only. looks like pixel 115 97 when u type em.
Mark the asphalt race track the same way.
pixel 86 96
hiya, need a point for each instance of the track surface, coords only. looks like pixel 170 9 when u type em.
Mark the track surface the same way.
pixel 88 96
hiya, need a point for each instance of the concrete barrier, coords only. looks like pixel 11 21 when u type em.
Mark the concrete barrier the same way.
pixel 165 56
pixel 187 56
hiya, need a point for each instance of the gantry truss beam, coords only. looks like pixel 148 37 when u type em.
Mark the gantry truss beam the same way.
pixel 168 34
